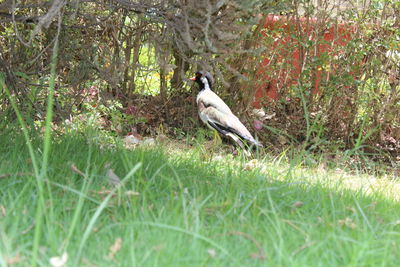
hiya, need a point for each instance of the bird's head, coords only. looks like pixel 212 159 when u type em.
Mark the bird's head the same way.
pixel 204 79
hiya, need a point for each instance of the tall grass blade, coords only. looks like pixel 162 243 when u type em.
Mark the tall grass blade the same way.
pixel 98 212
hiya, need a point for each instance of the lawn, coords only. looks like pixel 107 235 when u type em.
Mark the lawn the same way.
pixel 179 208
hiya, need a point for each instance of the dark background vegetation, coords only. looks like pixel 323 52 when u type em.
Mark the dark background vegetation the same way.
pixel 123 67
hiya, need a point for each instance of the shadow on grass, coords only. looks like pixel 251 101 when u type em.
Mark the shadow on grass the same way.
pixel 183 211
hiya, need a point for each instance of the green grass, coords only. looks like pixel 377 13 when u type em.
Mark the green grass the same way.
pixel 189 211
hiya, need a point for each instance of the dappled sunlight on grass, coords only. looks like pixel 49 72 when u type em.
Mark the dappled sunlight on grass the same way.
pixel 281 170
pixel 170 205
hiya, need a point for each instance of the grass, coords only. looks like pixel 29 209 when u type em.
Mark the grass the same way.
pixel 179 209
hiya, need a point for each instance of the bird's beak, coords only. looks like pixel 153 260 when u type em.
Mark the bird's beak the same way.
pixel 193 78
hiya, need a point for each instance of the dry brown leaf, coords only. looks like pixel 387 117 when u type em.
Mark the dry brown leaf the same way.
pixel 258 256
pixel 76 170
pixel 297 204
pixel 132 139
pixel 59 261
pixel 131 193
pixel 3 211
pixel 114 248
pixel 282 140
pixel 348 222
pixel 251 165
pixel 158 247
pixel 161 138
pixel 104 192
pixel 112 177
pixel 27 230
pixel 149 141
pixel 14 260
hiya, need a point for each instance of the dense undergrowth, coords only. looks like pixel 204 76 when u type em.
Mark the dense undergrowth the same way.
pixel 332 68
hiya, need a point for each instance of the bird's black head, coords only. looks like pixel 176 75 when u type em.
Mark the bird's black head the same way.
pixel 203 79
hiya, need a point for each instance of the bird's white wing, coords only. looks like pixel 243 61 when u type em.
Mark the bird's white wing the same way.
pixel 209 98
pixel 227 121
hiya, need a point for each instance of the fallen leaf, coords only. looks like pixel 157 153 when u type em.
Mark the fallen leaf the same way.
pixel 149 141
pixel 30 227
pixel 14 260
pixel 297 204
pixel 258 256
pixel 76 170
pixel 161 138
pixel 131 140
pixel 131 193
pixel 211 252
pixel 104 192
pixel 114 248
pixel 251 165
pixel 348 222
pixel 269 116
pixel 258 112
pixel 158 247
pixel 112 177
pixel 59 261
pixel 282 140
pixel 3 211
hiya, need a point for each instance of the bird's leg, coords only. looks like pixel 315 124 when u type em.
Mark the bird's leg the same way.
pixel 217 139
pixel 240 143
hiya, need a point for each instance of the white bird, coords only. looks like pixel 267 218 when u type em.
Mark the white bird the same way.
pixel 217 115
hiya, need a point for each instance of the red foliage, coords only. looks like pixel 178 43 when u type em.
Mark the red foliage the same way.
pixel 287 34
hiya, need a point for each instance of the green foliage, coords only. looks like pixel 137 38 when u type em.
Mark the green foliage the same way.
pixel 141 56
pixel 357 72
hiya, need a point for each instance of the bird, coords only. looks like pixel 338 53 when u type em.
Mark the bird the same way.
pixel 217 115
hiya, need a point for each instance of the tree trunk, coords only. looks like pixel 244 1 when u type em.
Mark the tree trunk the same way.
pixel 128 56
pixel 181 68
pixel 136 54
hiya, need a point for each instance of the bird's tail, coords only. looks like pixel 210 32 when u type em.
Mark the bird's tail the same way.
pixel 254 142
pixel 251 140
pixel 225 131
